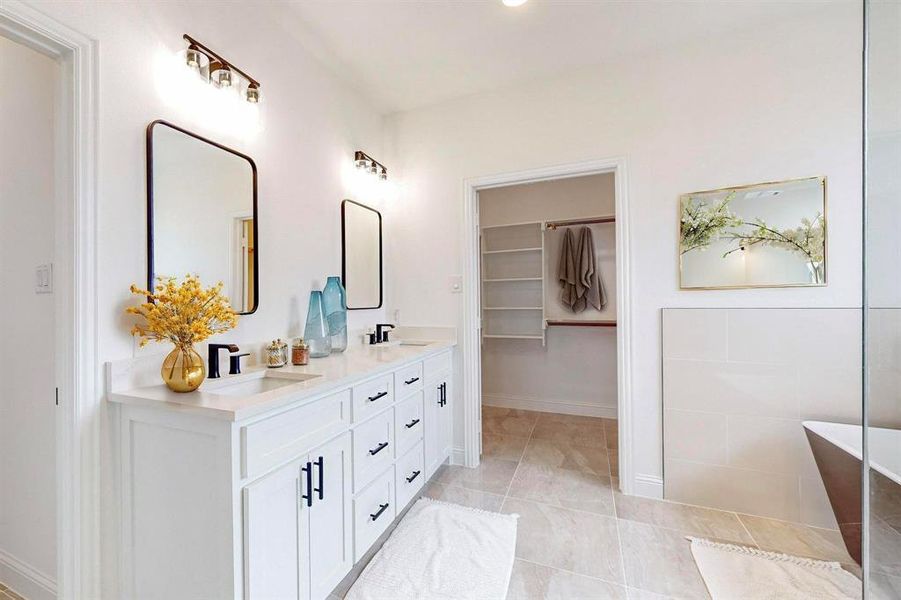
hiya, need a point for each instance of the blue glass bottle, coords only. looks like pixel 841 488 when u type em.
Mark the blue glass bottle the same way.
pixel 335 305
pixel 316 333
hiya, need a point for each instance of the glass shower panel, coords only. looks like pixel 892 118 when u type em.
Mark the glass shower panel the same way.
pixel 882 339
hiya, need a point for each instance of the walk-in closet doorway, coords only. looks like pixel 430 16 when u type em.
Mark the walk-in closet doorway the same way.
pixel 512 295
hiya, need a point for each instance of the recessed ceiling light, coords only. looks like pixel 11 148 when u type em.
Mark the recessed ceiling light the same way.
pixel 513 2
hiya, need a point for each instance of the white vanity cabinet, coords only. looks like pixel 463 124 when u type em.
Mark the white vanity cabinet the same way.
pixel 298 526
pixel 274 497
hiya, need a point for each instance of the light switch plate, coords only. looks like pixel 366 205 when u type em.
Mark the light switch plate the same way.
pixel 43 279
pixel 456 284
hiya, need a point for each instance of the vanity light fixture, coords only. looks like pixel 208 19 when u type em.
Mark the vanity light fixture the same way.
pixel 219 71
pixel 364 162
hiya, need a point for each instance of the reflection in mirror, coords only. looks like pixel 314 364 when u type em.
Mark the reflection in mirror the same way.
pixel 202 213
pixel 764 235
pixel 361 236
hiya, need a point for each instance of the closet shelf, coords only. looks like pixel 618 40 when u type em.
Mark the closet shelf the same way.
pixel 512 250
pixel 512 279
pixel 507 225
pixel 577 323
pixel 513 336
pixel 513 308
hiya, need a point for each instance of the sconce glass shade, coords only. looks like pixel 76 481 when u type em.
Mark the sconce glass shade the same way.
pixel 220 74
pixel 253 93
pixel 373 169
pixel 384 174
pixel 193 57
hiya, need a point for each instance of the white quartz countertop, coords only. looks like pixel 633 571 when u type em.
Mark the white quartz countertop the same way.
pixel 333 372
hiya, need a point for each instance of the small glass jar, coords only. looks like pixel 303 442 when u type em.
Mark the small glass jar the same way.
pixel 277 354
pixel 300 352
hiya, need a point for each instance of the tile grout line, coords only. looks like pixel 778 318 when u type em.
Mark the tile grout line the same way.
pixel 519 462
pixel 748 531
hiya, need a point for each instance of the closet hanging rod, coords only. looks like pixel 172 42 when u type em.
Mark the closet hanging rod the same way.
pixel 590 221
pixel 575 323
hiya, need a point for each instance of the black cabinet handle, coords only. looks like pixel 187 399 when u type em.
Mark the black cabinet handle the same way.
pixel 412 424
pixel 442 394
pixel 378 448
pixel 413 476
pixel 377 396
pixel 308 469
pixel 320 462
pixel 411 381
pixel 378 513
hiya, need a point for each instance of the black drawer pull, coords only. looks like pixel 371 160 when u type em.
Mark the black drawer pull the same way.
pixel 382 508
pixel 377 396
pixel 413 476
pixel 411 381
pixel 412 424
pixel 320 462
pixel 308 469
pixel 378 448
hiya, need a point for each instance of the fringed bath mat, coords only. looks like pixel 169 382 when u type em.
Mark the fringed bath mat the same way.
pixel 442 551
pixel 737 572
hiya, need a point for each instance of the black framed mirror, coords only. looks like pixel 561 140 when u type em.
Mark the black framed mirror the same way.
pixel 361 260
pixel 202 213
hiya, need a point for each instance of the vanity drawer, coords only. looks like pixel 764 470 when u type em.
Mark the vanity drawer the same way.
pixel 372 396
pixel 374 510
pixel 280 438
pixel 437 365
pixel 408 422
pixel 409 475
pixel 373 448
pixel 408 380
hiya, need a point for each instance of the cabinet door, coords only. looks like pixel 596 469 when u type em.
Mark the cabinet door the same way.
pixel 331 517
pixel 446 420
pixel 273 529
pixel 432 438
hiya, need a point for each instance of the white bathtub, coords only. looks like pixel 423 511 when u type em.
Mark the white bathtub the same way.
pixel 884 444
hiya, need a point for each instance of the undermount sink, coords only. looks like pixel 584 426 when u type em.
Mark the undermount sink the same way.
pixel 393 343
pixel 267 382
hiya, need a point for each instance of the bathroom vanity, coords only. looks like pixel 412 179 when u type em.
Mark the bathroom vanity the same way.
pixel 273 483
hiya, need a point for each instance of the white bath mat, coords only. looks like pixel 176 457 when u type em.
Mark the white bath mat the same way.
pixel 442 551
pixel 733 572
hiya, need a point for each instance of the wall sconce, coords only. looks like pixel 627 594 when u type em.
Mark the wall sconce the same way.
pixel 366 163
pixel 219 71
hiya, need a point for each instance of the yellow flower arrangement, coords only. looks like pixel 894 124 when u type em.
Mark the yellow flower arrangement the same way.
pixel 183 314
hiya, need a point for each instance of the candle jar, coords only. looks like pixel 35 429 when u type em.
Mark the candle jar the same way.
pixel 276 354
pixel 300 352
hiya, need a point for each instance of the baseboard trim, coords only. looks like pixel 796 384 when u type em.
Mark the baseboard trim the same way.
pixel 458 456
pixel 24 579
pixel 649 486
pixel 553 406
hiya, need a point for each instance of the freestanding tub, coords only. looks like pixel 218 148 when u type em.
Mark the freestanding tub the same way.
pixel 837 449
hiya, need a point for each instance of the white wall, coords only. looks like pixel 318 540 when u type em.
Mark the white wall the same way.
pixel 308 127
pixel 575 372
pixel 736 107
pixel 27 408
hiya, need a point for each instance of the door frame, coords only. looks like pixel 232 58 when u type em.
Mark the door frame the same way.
pixel 471 335
pixel 80 403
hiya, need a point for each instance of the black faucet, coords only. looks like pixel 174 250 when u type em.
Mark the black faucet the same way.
pixel 380 334
pixel 213 370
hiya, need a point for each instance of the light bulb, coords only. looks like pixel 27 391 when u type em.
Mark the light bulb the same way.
pixel 220 74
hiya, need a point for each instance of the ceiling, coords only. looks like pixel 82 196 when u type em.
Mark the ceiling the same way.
pixel 405 54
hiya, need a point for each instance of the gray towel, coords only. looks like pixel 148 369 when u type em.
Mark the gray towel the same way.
pixel 567 274
pixel 589 288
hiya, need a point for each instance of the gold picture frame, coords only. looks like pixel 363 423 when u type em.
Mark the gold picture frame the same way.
pixel 778 229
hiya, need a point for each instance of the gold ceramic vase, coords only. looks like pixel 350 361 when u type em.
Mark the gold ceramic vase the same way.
pixel 183 369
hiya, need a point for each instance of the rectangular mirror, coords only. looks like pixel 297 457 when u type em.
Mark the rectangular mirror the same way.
pixel 202 213
pixel 361 239
pixel 763 235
